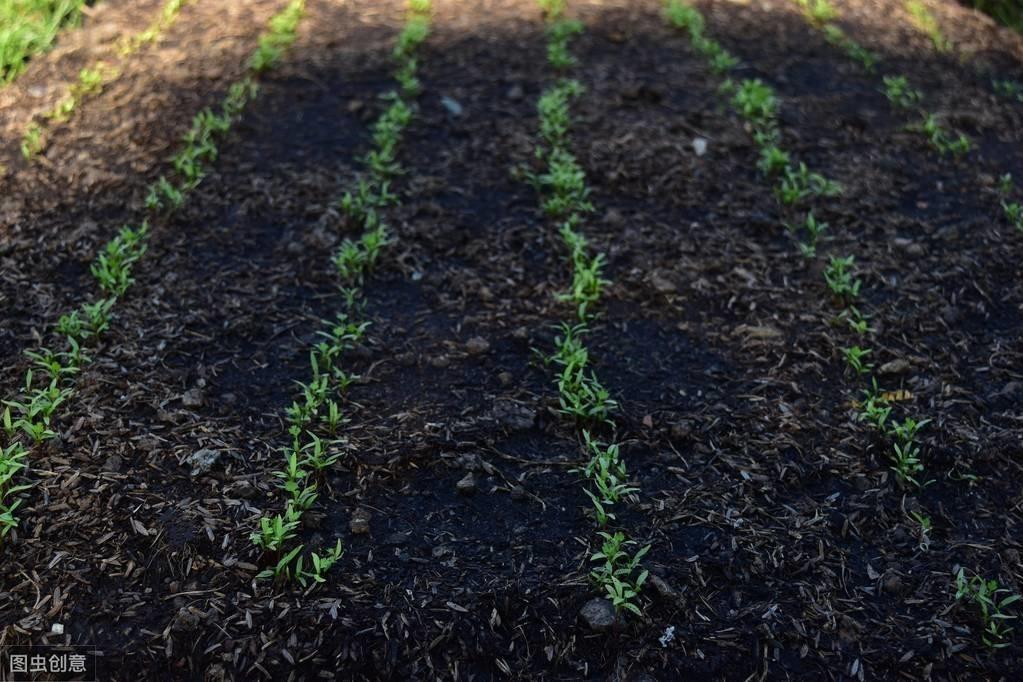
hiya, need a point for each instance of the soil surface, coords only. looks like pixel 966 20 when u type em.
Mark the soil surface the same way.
pixel 782 545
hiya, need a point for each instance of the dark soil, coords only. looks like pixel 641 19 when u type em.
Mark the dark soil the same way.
pixel 782 543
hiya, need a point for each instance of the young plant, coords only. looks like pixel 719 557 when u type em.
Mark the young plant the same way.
pixel 899 92
pixel 839 277
pixel 320 565
pixel 926 23
pixel 855 359
pixel 617 573
pixel 756 101
pixel 798 183
pixel 986 595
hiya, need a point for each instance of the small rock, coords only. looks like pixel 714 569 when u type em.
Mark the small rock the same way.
pixel 477 345
pixel 1011 557
pixel 950 314
pixel 513 415
pixel 505 378
pixel 515 92
pixel 520 334
pixel 202 461
pixel 186 620
pixel 467 485
pixel 359 523
pixel 699 146
pixel 406 359
pixel 661 587
pixel 440 362
pixel 662 283
pixel 681 431
pixel 893 584
pixel 598 614
pixel 193 397
pixel 243 489
pixel 113 463
pixel 452 105
pixel 57 629
pixel 898 366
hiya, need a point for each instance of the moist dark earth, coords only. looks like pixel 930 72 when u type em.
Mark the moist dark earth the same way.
pixel 782 544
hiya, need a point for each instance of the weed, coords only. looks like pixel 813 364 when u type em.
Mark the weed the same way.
pixel 906 462
pixel 565 184
pixel 875 408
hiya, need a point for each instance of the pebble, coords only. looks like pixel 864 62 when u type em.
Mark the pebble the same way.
pixel 113 463
pixel 899 366
pixel 193 397
pixel 467 485
pixel 598 614
pixel 477 345
pixel 505 378
pixel 359 524
pixel 513 415
pixel 202 461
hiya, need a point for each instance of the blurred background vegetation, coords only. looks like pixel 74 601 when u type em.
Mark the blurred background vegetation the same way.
pixel 1008 12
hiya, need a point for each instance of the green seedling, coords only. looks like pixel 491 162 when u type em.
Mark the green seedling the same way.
pixel 798 184
pixel 283 569
pixel 581 394
pixel 565 186
pixel 756 101
pixel 814 229
pixel 906 463
pixel 317 456
pixel 941 140
pixel 906 431
pixel 32 141
pixel 617 573
pixel 559 33
pixel 839 277
pixel 818 11
pixel 1014 213
pixel 587 283
pixel 320 565
pixel 1009 88
pixel 875 409
pixel 163 195
pixel 899 92
pixel 856 320
pixel 923 523
pixel 772 159
pixel 926 23
pixel 553 110
pixel 855 359
pixel 986 595
pixel 836 36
